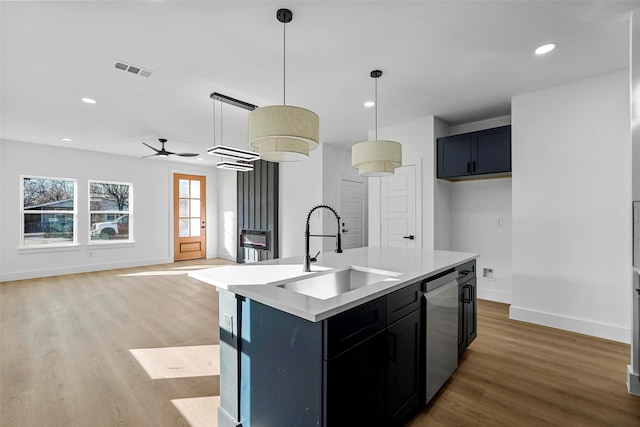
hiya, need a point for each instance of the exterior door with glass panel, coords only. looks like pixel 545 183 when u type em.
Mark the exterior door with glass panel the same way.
pixel 189 227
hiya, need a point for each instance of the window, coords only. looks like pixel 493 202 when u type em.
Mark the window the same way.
pixel 110 211
pixel 48 211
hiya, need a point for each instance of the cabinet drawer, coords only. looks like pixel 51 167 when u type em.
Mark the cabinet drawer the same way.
pixel 402 302
pixel 466 271
pixel 347 329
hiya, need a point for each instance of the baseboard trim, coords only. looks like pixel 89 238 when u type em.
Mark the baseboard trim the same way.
pixel 633 381
pixel 34 274
pixel 581 326
pixel 496 296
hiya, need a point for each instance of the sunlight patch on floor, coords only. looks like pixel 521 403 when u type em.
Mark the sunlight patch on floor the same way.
pixel 154 273
pixel 179 362
pixel 175 271
pixel 197 267
pixel 199 411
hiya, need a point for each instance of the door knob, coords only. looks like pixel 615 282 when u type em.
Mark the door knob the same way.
pixel 410 237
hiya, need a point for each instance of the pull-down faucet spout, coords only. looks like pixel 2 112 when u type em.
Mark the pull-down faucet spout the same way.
pixel 307 235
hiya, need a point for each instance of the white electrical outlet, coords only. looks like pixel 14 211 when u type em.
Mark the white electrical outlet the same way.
pixel 489 273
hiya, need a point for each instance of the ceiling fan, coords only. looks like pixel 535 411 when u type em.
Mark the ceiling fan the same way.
pixel 164 153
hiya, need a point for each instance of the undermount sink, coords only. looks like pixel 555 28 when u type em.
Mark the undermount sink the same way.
pixel 339 281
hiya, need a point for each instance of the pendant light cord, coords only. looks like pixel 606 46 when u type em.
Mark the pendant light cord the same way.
pixel 214 122
pixel 284 63
pixel 376 101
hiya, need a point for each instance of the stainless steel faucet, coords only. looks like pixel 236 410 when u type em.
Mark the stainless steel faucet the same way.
pixel 307 235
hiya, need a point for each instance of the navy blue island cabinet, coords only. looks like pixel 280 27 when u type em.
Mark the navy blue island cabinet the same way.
pixel 361 367
pixel 475 155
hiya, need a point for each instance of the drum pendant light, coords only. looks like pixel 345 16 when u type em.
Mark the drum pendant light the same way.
pixel 283 133
pixel 378 157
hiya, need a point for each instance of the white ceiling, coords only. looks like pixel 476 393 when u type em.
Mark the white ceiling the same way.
pixel 461 61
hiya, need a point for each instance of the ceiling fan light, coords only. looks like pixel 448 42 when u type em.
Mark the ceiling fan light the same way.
pixel 283 133
pixel 376 158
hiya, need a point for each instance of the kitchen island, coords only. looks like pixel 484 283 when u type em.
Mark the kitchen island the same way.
pixel 294 357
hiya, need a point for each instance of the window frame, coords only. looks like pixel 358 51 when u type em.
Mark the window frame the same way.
pixel 115 214
pixel 73 212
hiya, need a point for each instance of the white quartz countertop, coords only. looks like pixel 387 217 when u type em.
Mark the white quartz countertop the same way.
pixel 259 281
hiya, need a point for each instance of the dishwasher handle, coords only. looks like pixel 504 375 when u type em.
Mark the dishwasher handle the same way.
pixel 441 279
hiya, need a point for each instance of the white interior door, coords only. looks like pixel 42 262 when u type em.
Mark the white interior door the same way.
pixel 352 213
pixel 398 208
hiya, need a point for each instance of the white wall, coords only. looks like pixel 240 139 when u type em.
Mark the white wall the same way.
pixel 227 214
pixel 417 139
pixel 300 190
pixel 571 183
pixel 476 209
pixel 152 209
pixel 442 196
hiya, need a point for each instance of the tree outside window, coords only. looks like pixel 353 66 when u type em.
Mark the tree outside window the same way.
pixel 48 211
pixel 110 211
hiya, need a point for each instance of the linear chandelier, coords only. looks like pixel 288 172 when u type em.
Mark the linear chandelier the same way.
pixel 284 133
pixel 241 158
pixel 239 165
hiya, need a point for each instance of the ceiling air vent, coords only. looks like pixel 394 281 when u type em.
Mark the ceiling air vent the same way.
pixel 131 68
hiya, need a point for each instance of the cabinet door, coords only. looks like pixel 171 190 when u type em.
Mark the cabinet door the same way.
pixel 470 312
pixel 355 385
pixel 454 156
pixel 347 329
pixel 404 369
pixel 491 151
pixel 403 301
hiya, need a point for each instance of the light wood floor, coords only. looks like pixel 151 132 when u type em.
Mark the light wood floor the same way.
pixel 68 348
pixel 107 348
pixel 520 374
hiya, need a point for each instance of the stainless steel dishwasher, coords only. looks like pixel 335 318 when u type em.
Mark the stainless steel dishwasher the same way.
pixel 441 329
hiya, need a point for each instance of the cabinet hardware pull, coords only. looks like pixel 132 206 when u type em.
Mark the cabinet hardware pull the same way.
pixel 467 299
pixel 473 166
pixel 468 167
pixel 410 237
pixel 392 343
pixel 344 231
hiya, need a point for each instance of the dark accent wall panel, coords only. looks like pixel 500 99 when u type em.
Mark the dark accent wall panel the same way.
pixel 258 209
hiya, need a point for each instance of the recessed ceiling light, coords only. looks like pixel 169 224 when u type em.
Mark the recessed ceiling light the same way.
pixel 199 158
pixel 65 139
pixel 369 104
pixel 545 48
pixel 89 100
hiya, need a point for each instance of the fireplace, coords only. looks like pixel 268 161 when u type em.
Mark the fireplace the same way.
pixel 256 239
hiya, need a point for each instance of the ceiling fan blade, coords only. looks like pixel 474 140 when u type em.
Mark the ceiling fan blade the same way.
pixel 154 149
pixel 186 154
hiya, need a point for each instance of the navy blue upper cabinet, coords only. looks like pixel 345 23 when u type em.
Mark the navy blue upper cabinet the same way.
pixel 474 155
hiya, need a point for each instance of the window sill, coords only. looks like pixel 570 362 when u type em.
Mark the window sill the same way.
pixel 49 248
pixel 110 244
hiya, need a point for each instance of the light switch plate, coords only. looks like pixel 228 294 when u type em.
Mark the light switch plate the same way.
pixel 228 323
